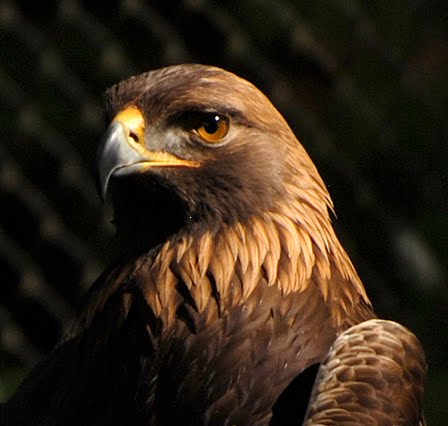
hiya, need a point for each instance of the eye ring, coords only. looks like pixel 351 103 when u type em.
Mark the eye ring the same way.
pixel 213 128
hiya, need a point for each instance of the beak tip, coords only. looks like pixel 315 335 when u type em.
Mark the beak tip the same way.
pixel 113 153
pixel 103 194
pixel 102 178
pixel 102 184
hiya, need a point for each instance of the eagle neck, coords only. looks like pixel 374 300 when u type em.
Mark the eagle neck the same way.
pixel 218 268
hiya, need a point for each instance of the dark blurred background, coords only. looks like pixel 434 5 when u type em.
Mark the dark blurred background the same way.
pixel 364 85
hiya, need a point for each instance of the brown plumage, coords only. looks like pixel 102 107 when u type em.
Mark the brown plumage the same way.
pixel 373 374
pixel 232 284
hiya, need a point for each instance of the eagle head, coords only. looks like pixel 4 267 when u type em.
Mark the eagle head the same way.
pixel 194 143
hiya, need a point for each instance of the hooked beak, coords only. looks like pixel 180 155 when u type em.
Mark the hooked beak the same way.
pixel 123 150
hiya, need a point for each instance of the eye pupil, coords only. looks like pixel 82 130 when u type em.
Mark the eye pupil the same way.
pixel 211 126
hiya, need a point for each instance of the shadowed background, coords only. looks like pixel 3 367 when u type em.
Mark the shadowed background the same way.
pixel 364 86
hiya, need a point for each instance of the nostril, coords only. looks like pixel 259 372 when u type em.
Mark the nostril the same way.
pixel 134 136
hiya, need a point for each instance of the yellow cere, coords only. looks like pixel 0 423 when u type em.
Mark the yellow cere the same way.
pixel 132 119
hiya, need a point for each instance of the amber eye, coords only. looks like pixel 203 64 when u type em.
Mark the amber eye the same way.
pixel 213 128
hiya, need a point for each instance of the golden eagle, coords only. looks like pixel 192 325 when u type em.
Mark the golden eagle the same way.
pixel 232 287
